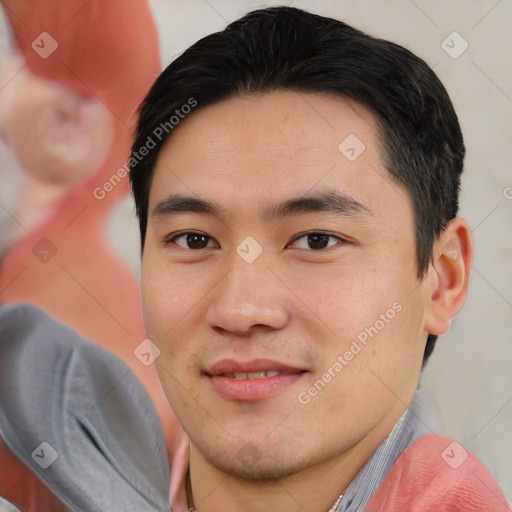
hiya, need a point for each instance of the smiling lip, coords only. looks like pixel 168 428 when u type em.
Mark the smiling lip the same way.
pixel 252 380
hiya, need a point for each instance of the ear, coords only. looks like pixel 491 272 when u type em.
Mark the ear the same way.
pixel 452 258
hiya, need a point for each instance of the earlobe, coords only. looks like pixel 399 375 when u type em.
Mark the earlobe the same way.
pixel 452 258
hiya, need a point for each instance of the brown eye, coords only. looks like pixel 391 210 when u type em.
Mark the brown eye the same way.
pixel 316 241
pixel 190 240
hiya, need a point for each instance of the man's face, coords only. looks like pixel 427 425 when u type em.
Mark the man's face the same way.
pixel 328 298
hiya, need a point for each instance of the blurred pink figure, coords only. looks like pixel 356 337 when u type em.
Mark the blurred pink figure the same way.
pixel 69 118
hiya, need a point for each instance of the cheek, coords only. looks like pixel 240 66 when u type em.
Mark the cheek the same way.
pixel 365 303
pixel 171 299
pixel 345 296
pixel 156 291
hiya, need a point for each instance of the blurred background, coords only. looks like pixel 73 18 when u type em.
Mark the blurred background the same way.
pixel 468 380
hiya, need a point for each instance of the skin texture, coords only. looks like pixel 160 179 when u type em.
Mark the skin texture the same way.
pixel 293 304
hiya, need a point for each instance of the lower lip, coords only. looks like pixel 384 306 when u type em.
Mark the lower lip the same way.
pixel 253 389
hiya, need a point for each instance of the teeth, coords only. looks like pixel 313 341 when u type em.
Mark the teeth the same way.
pixel 256 375
pixel 251 375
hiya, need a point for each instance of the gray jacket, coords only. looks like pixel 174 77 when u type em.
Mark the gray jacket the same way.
pixel 77 416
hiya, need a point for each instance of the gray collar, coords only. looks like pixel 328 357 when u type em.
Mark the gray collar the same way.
pixel 408 429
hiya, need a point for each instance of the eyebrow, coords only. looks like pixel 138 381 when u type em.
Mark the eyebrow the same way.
pixel 330 201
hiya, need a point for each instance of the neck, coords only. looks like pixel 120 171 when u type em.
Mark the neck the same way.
pixel 209 489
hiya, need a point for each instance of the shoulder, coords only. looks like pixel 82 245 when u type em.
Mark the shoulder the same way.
pixel 438 474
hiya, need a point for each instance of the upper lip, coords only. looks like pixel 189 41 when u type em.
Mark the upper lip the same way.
pixel 228 366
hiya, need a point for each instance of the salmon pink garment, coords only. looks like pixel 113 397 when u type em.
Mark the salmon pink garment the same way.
pixel 438 475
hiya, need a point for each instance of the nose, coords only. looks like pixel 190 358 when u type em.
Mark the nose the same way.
pixel 249 297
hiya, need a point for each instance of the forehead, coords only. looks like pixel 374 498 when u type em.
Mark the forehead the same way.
pixel 281 119
pixel 273 145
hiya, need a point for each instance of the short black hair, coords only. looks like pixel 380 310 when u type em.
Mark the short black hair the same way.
pixel 284 48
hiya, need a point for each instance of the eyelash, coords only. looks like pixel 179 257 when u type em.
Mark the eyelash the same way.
pixel 171 240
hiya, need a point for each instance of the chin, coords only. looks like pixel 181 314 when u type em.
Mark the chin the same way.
pixel 249 462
